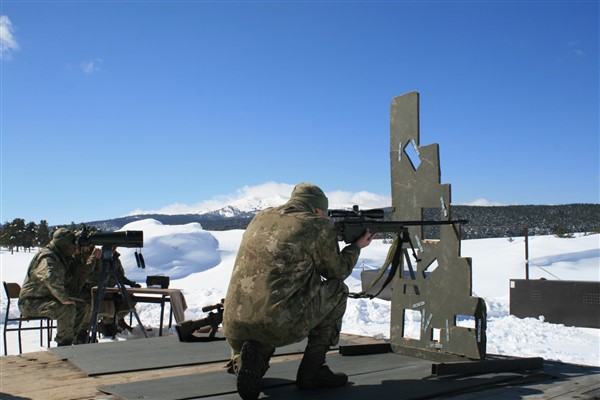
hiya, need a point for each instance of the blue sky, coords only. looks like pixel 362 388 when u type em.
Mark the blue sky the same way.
pixel 114 106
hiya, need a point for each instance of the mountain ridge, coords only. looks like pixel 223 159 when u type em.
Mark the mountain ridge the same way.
pixel 484 221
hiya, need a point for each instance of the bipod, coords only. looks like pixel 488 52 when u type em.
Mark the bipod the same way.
pixel 406 239
pixel 397 252
pixel 108 270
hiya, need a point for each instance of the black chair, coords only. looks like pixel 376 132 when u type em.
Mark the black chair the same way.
pixel 13 290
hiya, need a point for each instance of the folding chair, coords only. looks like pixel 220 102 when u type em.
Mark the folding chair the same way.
pixel 12 293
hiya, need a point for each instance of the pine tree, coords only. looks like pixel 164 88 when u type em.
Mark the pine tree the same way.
pixel 43 234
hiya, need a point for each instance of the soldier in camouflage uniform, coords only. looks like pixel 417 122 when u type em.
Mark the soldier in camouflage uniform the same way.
pixel 46 289
pixel 288 284
pixel 107 325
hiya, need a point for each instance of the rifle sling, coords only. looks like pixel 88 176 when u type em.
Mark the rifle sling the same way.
pixel 393 258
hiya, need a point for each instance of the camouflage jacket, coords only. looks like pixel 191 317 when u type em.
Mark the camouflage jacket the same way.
pixel 81 267
pixel 284 254
pixel 94 277
pixel 48 275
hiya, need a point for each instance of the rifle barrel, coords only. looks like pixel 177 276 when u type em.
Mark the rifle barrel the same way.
pixel 352 229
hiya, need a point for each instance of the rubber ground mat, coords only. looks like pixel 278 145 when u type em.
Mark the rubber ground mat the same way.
pixel 382 376
pixel 151 353
pixel 408 383
pixel 281 376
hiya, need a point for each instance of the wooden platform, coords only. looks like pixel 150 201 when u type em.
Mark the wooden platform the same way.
pixel 162 368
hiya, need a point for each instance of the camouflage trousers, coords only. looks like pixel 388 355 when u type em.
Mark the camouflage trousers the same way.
pixel 320 321
pixel 118 307
pixel 69 317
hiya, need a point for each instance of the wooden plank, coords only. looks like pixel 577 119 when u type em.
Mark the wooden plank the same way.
pixel 43 376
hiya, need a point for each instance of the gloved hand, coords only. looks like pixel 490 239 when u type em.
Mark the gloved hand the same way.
pixel 136 285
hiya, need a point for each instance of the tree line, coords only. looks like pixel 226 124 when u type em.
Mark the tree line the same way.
pixel 484 222
pixel 17 234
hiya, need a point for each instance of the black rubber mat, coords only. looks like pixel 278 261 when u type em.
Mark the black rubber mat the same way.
pixel 371 376
pixel 152 353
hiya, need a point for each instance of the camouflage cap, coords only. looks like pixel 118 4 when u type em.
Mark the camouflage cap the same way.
pixel 312 194
pixel 62 237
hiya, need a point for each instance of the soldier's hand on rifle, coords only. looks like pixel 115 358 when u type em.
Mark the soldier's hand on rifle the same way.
pixel 365 239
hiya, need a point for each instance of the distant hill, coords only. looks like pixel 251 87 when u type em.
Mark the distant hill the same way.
pixel 484 222
pixel 501 221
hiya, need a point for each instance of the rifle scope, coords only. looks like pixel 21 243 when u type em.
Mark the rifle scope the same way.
pixel 375 213
pixel 217 306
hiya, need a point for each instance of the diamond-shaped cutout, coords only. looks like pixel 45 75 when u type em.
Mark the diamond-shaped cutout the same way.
pixel 412 152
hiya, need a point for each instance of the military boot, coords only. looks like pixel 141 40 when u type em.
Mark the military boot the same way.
pixel 82 337
pixel 107 330
pixel 250 371
pixel 314 374
pixel 123 326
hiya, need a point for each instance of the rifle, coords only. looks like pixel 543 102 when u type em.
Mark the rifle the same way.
pixel 352 224
pixel 186 329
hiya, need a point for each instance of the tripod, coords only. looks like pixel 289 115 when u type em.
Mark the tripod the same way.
pixel 108 270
